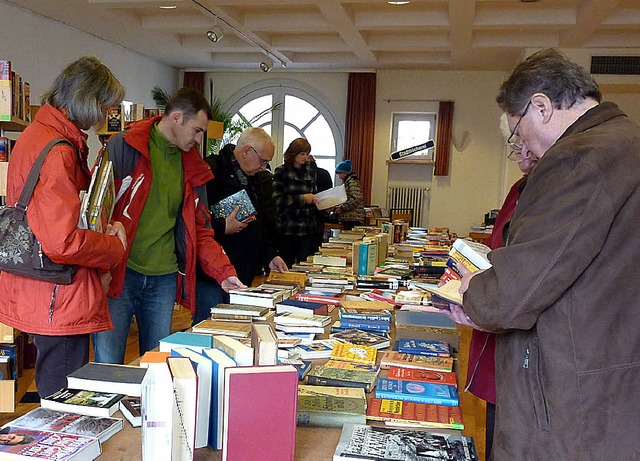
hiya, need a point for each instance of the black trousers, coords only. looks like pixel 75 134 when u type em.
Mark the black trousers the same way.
pixel 294 248
pixel 58 356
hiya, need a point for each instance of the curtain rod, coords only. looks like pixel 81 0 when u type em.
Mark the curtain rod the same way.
pixel 417 100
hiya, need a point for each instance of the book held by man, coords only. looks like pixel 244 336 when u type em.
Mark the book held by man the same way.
pixel 240 199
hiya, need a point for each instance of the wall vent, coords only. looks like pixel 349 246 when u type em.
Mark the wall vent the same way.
pixel 615 65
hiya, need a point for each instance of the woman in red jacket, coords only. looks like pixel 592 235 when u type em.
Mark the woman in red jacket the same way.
pixel 61 317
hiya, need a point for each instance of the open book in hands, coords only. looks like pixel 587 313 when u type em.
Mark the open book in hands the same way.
pixel 240 199
pixel 331 197
pixel 447 293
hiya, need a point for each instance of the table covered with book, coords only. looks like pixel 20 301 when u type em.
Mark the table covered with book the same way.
pixel 379 382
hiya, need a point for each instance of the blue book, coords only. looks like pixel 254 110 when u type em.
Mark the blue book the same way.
pixel 369 325
pixel 302 307
pixel 195 341
pixel 417 392
pixel 382 315
pixel 424 347
pixel 220 361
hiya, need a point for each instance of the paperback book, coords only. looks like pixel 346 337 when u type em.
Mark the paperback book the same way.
pixel 360 442
pixel 425 376
pixel 424 347
pixel 23 443
pixel 130 409
pixel 216 327
pixel 398 412
pixel 330 406
pixel 399 359
pixel 362 338
pixel 354 353
pixel 44 419
pixel 92 403
pixel 341 377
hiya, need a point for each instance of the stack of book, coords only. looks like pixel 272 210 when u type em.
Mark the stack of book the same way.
pixel 340 373
pixel 257 296
pixel 301 323
pixel 240 313
pixel 365 319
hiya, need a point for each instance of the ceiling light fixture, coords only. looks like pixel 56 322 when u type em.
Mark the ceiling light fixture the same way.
pixel 167 7
pixel 265 65
pixel 399 2
pixel 215 34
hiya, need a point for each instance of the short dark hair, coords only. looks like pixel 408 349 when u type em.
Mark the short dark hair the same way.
pixel 190 101
pixel 85 88
pixel 551 73
pixel 297 146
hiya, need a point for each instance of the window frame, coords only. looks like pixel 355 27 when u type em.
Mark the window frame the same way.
pixel 397 117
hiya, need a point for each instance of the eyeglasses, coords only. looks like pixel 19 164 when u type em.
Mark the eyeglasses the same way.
pixel 263 163
pixel 514 140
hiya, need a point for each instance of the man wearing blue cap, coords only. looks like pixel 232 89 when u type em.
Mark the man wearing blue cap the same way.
pixel 351 212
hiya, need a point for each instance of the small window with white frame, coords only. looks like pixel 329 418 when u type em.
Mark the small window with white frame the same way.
pixel 411 129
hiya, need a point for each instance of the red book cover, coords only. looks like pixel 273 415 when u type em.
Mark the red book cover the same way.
pixel 425 376
pixel 398 411
pixel 259 420
pixel 316 297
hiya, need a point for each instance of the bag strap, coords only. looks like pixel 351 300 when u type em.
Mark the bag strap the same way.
pixel 34 174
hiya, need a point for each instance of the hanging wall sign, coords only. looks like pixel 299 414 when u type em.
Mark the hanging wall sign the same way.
pixel 412 150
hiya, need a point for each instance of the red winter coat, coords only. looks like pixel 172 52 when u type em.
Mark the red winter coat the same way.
pixel 38 307
pixel 481 371
pixel 195 241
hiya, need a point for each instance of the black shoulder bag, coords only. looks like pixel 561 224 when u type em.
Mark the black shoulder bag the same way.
pixel 20 250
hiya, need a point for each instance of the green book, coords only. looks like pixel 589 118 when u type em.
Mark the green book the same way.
pixel 325 406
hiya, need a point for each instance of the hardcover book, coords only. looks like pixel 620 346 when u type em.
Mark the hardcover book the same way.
pixel 354 353
pixel 424 347
pixel 260 413
pixel 216 327
pixel 381 315
pixel 425 376
pixel 330 406
pixel 27 444
pixel 184 403
pixel 241 353
pixel 398 412
pixel 381 326
pixel 415 391
pixel 195 341
pixel 44 419
pixel 237 309
pixel 368 443
pixel 426 362
pixel 316 349
pixel 302 307
pixel 102 377
pixel 340 377
pixel 264 343
pixel 92 403
pixel 220 362
pixel 318 296
pixel 240 199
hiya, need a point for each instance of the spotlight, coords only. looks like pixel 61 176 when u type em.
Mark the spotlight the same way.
pixel 266 64
pixel 215 34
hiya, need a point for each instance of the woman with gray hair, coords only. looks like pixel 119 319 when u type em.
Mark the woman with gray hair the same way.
pixel 61 317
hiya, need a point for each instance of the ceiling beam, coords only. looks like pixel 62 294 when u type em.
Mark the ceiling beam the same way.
pixel 589 17
pixel 461 18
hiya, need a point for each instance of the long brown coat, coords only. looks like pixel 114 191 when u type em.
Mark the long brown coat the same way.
pixel 565 292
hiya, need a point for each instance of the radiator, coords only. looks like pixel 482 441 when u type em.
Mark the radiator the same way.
pixel 415 198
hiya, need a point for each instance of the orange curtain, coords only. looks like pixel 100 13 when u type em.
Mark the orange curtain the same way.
pixel 443 143
pixel 194 80
pixel 360 128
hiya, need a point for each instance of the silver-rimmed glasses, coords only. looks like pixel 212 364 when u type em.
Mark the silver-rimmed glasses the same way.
pixel 514 141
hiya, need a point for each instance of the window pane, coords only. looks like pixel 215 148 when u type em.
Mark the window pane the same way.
pixel 297 111
pixel 328 164
pixel 290 133
pixel 412 132
pixel 254 108
pixel 320 137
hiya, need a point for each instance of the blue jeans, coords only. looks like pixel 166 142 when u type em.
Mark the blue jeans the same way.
pixel 209 293
pixel 151 299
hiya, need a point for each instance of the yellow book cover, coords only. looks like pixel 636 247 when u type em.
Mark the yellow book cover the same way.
pixel 299 278
pixel 354 353
pixel 426 362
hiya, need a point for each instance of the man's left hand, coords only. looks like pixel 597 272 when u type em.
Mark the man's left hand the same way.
pixel 277 264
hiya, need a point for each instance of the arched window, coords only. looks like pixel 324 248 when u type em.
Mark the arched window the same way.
pixel 300 112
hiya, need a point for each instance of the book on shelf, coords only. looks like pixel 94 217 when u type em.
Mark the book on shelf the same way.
pixel 400 359
pixel 92 403
pixel 238 351
pixel 130 407
pixel 217 327
pixel 240 199
pixel 220 362
pixel 416 391
pixel 27 443
pixel 302 307
pixel 157 412
pixel 425 376
pixel 264 343
pixel 354 353
pixel 250 431
pixel 204 369
pixel 362 337
pixel 359 442
pixel 327 406
pixel 195 341
pixel 320 375
pixel 257 296
pixel 45 419
pixel 331 197
pixel 239 309
pixel 401 413
pixel 185 398
pixel 424 347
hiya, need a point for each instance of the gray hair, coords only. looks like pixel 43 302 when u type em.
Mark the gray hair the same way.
pixel 548 72
pixel 85 88
pixel 254 135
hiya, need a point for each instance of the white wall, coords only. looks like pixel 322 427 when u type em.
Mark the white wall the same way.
pixel 39 48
